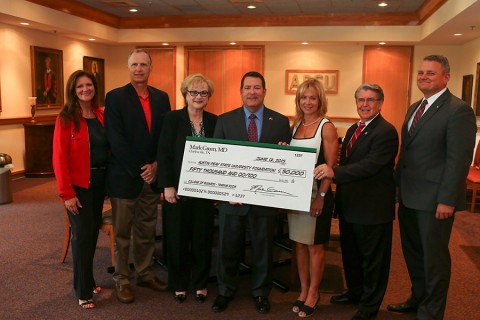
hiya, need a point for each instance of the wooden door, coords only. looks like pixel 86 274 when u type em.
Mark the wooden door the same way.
pixel 391 68
pixel 225 67
pixel 163 71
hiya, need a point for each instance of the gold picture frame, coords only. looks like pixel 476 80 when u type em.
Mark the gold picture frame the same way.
pixel 47 77
pixel 97 67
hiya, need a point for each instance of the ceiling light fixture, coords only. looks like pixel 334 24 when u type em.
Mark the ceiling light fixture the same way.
pixel 251 7
pixel 24 23
pixel 133 10
pixel 383 4
pixel 233 43
pixel 92 39
pixel 457 34
pixel 382 43
pixel 305 43
pixel 165 44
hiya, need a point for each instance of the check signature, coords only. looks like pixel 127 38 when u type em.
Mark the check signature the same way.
pixel 257 188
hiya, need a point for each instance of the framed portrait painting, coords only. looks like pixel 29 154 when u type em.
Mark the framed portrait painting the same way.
pixel 97 67
pixel 47 77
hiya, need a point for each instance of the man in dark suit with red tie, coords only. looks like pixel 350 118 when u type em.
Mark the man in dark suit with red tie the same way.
pixel 365 202
pixel 251 122
pixel 436 152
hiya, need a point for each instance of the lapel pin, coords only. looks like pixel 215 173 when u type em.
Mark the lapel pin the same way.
pixel 270 118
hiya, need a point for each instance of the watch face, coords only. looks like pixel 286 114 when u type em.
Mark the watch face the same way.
pixel 322 194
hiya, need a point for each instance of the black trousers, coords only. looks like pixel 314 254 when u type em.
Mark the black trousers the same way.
pixel 231 249
pixel 85 228
pixel 366 253
pixel 188 230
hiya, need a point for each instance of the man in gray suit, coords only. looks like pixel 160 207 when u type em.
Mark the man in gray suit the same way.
pixel 436 152
pixel 251 122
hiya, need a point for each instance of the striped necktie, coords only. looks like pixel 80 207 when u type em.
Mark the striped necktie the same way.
pixel 417 116
pixel 355 136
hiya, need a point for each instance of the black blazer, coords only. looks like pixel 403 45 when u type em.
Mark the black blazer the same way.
pixel 132 145
pixel 232 126
pixel 365 185
pixel 434 162
pixel 176 128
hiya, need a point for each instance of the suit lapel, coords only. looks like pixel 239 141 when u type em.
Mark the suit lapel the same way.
pixel 364 135
pixel 240 118
pixel 267 124
pixel 432 110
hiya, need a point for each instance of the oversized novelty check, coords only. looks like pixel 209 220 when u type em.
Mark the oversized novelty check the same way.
pixel 254 173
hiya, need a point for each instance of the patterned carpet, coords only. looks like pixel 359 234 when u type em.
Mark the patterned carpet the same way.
pixel 35 285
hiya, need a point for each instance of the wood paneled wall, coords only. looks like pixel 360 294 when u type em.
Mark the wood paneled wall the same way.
pixel 225 67
pixel 163 74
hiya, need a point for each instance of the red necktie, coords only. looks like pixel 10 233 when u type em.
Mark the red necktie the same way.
pixel 252 129
pixel 417 116
pixel 355 136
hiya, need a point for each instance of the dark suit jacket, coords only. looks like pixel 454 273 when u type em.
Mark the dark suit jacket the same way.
pixel 132 145
pixel 231 125
pixel 365 186
pixel 434 161
pixel 176 128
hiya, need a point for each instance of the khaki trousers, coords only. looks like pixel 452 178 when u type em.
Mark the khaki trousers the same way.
pixel 135 219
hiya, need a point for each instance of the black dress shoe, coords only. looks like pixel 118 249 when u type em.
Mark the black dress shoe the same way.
pixel 180 297
pixel 262 304
pixel 220 303
pixel 343 298
pixel 404 307
pixel 362 315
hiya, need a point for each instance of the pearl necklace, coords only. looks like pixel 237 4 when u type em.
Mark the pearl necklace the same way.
pixel 306 125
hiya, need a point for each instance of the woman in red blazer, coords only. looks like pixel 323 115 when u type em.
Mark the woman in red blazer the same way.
pixel 80 152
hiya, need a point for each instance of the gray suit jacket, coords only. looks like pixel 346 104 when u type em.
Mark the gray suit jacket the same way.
pixel 434 161
pixel 231 126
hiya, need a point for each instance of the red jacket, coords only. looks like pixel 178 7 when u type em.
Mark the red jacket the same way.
pixel 71 155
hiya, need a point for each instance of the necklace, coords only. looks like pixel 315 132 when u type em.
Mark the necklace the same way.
pixel 306 125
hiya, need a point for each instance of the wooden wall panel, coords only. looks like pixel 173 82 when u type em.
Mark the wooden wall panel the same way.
pixel 225 67
pixel 163 73
pixel 391 68
pixel 210 63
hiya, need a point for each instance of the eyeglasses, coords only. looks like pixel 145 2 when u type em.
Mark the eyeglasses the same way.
pixel 196 93
pixel 368 100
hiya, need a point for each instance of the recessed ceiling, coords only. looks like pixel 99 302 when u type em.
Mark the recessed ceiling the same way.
pixel 191 14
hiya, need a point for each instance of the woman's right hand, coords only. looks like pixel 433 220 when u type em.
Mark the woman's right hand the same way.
pixel 72 205
pixel 170 195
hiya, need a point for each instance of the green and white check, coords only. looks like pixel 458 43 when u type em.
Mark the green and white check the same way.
pixel 247 172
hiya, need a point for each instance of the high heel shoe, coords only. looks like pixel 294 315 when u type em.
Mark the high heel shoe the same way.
pixel 180 297
pixel 297 305
pixel 308 311
pixel 86 304
pixel 201 296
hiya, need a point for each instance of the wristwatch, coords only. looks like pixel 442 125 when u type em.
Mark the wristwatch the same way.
pixel 322 194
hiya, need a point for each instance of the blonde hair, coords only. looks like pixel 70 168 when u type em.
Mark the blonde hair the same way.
pixel 192 79
pixel 322 98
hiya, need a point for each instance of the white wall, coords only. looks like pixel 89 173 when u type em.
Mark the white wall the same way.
pixel 347 59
